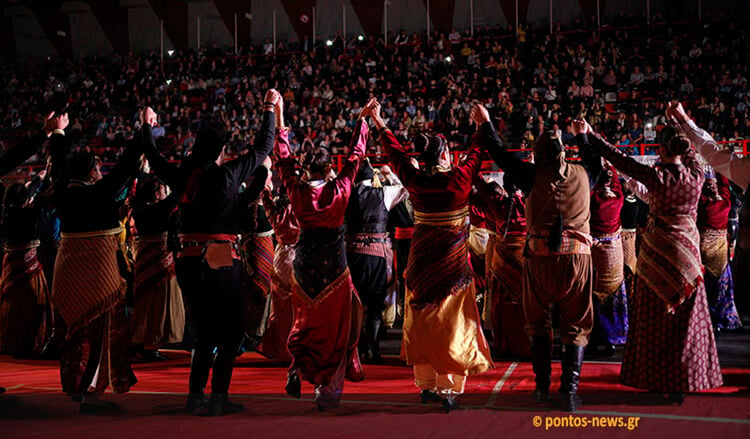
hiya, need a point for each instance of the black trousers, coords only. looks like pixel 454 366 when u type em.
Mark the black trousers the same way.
pixel 369 276
pixel 214 300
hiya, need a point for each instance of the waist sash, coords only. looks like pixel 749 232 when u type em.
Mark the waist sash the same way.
pixel 438 261
pixel 669 262
pixel 87 280
pixel 714 251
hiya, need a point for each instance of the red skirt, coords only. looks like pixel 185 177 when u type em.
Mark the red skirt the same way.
pixel 324 337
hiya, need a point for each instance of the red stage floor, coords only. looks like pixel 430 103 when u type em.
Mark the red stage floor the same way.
pixel 384 405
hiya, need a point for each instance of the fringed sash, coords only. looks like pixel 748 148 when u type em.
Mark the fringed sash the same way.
pixel 87 280
pixel 438 262
pixel 669 261
pixel 607 256
pixel 257 258
pixel 714 251
pixel 628 249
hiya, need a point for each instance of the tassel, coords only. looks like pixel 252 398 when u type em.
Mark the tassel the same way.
pixel 555 235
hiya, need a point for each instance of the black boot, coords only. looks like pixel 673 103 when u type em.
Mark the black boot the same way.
pixel 372 348
pixel 572 359
pixel 221 405
pixel 196 402
pixel 222 371
pixel 429 396
pixel 450 404
pixel 293 386
pixel 541 359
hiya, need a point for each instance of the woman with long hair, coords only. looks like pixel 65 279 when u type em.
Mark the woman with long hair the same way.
pixel 671 347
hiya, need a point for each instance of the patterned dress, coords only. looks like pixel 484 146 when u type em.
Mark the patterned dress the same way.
pixel 671 346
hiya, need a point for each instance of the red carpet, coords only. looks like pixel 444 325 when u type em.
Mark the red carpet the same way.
pixel 384 405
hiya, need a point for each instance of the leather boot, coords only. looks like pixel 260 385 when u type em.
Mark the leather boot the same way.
pixel 196 402
pixel 541 363
pixel 372 352
pixel 571 362
pixel 221 405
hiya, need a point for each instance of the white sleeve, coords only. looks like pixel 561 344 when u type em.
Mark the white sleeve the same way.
pixel 636 187
pixel 392 195
pixel 723 160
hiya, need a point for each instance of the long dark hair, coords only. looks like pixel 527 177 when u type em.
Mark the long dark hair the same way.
pixel 432 147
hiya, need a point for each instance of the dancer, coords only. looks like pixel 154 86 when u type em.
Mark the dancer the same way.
pixel 367 249
pixel 670 306
pixel 26 316
pixel 442 337
pixel 713 219
pixel 208 265
pixel 159 315
pixel 286 228
pixel 558 267
pixel 505 208
pixel 610 304
pixel 88 288
pixel 257 257
pixel 327 310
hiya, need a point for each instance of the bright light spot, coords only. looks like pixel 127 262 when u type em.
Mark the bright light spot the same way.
pixel 329 43
pixel 361 38
pixel 169 82
pixel 448 59
pixel 170 52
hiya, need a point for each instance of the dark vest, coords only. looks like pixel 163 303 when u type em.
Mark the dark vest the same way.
pixel 366 212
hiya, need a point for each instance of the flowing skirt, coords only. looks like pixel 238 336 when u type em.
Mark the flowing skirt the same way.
pixel 257 260
pixel 504 287
pixel 670 352
pixel 720 292
pixel 159 316
pixel 274 342
pixel 26 317
pixel 611 318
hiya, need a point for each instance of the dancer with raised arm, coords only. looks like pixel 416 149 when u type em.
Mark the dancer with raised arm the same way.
pixel 558 268
pixel 208 264
pixel 327 310
pixel 671 347
pixel 442 338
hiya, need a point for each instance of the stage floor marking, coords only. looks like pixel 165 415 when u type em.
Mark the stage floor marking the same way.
pixel 500 383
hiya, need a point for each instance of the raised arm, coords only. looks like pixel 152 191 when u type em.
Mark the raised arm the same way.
pixel 256 187
pixel 523 172
pixel 345 178
pixel 118 178
pixel 167 172
pixel 284 160
pixel 628 165
pixel 723 160
pixel 21 152
pixel 397 154
pixel 242 167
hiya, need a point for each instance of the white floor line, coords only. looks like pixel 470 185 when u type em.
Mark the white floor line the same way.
pixel 500 383
pixel 498 386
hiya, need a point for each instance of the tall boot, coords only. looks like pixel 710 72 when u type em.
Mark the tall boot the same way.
pixel 200 366
pixel 572 360
pixel 372 352
pixel 223 368
pixel 541 363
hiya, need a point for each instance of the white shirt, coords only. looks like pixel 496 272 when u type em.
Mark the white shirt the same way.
pixel 393 194
pixel 723 160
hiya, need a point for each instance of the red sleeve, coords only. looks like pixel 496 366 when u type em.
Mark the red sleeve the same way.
pixel 399 158
pixel 285 162
pixel 359 143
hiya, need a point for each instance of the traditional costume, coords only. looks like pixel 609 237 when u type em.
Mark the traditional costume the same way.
pixel 671 345
pixel 26 317
pixel 209 269
pixel 442 337
pixel 88 289
pixel 506 220
pixel 558 268
pixel 286 228
pixel 368 250
pixel 610 307
pixel 159 315
pixel 713 218
pixel 327 310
